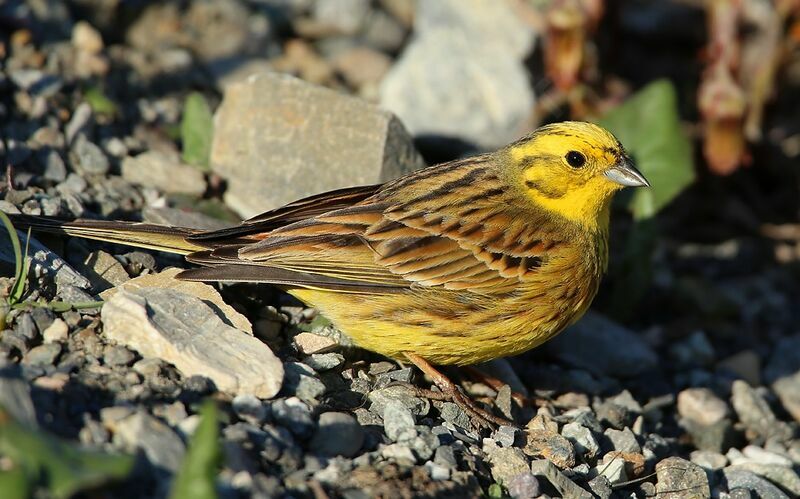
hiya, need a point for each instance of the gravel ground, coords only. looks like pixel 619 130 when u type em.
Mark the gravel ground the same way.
pixel 695 392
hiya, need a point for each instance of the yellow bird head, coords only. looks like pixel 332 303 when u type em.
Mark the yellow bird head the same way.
pixel 573 169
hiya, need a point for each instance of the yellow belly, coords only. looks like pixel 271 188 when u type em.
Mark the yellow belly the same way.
pixel 449 327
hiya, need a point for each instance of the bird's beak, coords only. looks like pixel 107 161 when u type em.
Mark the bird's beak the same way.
pixel 624 173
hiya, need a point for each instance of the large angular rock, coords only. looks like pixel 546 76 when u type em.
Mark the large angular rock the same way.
pixel 183 330
pixel 166 280
pixel 277 139
pixel 462 75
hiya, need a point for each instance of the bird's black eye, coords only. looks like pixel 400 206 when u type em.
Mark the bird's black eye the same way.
pixel 575 159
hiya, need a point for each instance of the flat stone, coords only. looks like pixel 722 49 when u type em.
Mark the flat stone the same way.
pixel 157 170
pixel 44 262
pixel 185 331
pixel 338 434
pixel 160 444
pixel 301 126
pixel 738 479
pixel 166 280
pixel 481 46
pixel 603 347
pixel 88 158
pixel 310 343
pixel 566 487
pixel 677 478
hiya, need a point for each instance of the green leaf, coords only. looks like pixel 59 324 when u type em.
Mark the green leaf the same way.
pixel 62 468
pixel 198 471
pixel 649 127
pixel 15 484
pixel 20 269
pixel 99 103
pixel 197 128
pixel 495 491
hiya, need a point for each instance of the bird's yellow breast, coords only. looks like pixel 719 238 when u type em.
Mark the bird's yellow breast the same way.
pixel 463 327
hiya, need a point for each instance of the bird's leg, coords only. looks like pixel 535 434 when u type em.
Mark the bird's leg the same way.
pixel 451 392
pixel 496 383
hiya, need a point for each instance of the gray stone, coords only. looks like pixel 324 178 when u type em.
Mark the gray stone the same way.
pixel 338 434
pixel 613 468
pixel 463 42
pixel 452 413
pixel 88 158
pixel 755 414
pixel 566 487
pixel 506 435
pixel 116 355
pixel 601 487
pixel 181 218
pixel 783 476
pixel 103 270
pixel 44 262
pixel 185 331
pixel 445 456
pixel 162 446
pixel 506 463
pixel 754 484
pixel 54 167
pixel 301 380
pixel 81 122
pixel 324 361
pixel 15 397
pixel 524 486
pixel 398 421
pixel 379 399
pixel 301 126
pixel 582 439
pixel 677 478
pixel 400 453
pixel 167 279
pixel 157 170
pixel 43 355
pixel 623 440
pixel 344 16
pixel 249 408
pixel 708 460
pixel 295 415
pixel 595 344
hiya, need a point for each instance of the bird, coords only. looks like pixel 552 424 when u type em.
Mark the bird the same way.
pixel 453 264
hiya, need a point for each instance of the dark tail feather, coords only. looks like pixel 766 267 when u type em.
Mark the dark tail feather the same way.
pixel 137 234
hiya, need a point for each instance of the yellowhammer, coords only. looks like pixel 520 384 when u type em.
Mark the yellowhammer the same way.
pixel 457 263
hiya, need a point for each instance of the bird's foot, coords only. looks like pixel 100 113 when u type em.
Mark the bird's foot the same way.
pixel 450 392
